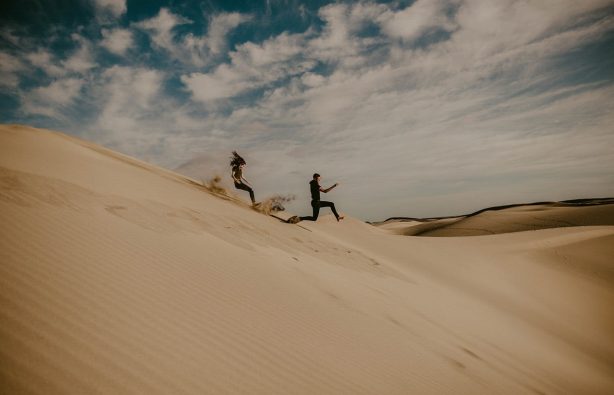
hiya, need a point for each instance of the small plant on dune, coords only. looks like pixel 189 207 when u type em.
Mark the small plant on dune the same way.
pixel 274 204
pixel 214 186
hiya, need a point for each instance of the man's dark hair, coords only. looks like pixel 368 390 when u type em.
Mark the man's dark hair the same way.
pixel 315 175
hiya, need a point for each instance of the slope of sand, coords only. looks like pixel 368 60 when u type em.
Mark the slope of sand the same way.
pixel 120 277
pixel 517 218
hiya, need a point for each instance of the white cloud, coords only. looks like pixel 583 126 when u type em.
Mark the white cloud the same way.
pixel 192 50
pixel 82 59
pixel 136 118
pixel 128 99
pixel 161 28
pixel 44 60
pixel 10 63
pixel 10 67
pixel 117 41
pixel 419 18
pixel 491 27
pixel 339 41
pixel 286 55
pixel 8 34
pixel 282 48
pixel 199 51
pixel 53 99
pixel 61 92
pixel 114 7
pixel 312 80
pixel 126 88
pixel 252 66
pixel 223 83
pixel 219 27
pixel 79 62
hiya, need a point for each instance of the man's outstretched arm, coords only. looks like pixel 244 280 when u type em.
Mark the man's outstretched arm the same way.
pixel 328 189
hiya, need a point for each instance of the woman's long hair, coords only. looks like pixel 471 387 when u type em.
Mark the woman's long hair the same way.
pixel 236 160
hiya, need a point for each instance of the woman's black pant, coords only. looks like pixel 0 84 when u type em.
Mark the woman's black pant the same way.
pixel 316 204
pixel 246 188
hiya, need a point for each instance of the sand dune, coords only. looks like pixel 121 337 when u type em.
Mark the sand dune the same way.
pixel 516 218
pixel 120 277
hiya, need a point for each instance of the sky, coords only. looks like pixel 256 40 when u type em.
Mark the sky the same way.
pixel 416 108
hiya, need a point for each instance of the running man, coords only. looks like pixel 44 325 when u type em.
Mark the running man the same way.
pixel 316 203
pixel 237 164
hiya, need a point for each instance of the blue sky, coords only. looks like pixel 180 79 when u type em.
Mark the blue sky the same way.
pixel 417 108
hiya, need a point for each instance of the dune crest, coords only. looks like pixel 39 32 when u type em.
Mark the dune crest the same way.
pixel 508 219
pixel 121 277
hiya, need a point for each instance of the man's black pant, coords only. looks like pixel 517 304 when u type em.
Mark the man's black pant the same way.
pixel 316 204
pixel 246 188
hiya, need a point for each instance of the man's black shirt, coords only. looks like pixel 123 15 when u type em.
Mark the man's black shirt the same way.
pixel 315 190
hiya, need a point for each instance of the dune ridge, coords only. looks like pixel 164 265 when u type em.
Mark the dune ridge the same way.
pixel 121 277
pixel 507 219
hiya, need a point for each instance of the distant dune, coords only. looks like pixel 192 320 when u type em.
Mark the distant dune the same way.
pixel 506 219
pixel 120 277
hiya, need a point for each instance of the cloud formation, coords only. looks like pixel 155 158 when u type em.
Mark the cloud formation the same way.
pixel 114 7
pixel 434 108
pixel 191 49
pixel 9 67
pixel 420 18
pixel 52 99
pixel 117 41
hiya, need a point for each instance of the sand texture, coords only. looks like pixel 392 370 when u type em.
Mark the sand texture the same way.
pixel 119 277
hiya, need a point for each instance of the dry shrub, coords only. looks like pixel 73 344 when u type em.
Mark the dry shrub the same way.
pixel 214 186
pixel 274 204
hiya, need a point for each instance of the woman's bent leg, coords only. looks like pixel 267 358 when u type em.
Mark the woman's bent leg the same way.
pixel 248 189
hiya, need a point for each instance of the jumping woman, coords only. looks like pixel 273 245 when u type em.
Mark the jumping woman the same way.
pixel 237 164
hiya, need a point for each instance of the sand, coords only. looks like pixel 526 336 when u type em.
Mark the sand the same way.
pixel 119 277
